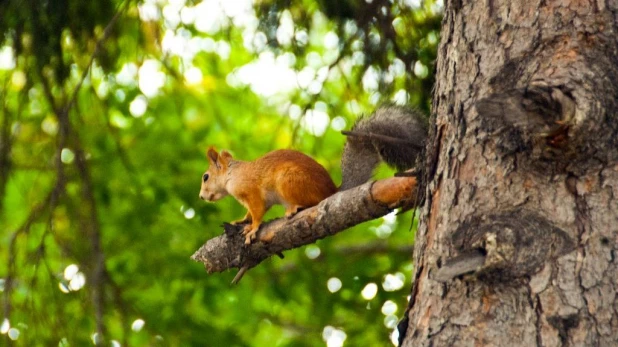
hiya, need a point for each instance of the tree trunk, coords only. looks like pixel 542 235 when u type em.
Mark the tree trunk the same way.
pixel 518 234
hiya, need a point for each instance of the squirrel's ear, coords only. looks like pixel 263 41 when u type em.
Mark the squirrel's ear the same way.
pixel 213 156
pixel 225 157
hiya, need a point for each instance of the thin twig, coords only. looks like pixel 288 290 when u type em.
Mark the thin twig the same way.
pixel 239 275
pixel 97 267
pixel 315 97
pixel 5 146
pixel 106 32
pixel 121 304
pixel 12 252
pixel 120 151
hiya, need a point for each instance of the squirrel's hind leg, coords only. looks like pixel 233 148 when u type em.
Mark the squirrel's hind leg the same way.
pixel 291 210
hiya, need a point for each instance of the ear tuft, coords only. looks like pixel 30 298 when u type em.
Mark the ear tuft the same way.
pixel 225 157
pixel 212 155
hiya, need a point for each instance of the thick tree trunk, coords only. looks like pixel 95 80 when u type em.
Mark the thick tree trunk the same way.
pixel 518 235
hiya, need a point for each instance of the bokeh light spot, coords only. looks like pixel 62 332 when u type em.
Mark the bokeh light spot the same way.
pixel 370 291
pixel 334 337
pixel 389 307
pixel 333 284
pixel 312 251
pixel 393 282
pixel 137 325
pixel 67 156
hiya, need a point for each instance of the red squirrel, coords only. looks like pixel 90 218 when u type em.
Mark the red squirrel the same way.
pixel 393 134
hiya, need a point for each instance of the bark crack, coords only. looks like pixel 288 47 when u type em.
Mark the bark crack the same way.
pixel 538 310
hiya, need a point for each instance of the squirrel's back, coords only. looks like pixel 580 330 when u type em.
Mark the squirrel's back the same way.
pixel 296 177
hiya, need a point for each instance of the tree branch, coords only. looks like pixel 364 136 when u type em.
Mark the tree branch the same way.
pixel 92 228
pixel 346 46
pixel 12 253
pixel 331 216
pixel 106 32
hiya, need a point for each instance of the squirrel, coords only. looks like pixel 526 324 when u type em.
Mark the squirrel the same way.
pixel 393 134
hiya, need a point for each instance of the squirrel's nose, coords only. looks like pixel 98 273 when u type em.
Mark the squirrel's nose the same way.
pixel 202 197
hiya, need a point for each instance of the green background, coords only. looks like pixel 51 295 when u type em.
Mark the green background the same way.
pixel 101 175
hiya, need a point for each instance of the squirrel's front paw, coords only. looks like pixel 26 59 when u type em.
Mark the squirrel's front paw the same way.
pixel 250 234
pixel 248 239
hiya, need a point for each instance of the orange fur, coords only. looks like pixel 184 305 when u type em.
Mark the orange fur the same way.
pixel 286 177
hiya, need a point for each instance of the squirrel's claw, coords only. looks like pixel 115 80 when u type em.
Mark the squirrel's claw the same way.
pixel 249 237
pixel 250 234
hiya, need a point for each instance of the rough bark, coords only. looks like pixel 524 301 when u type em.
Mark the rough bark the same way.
pixel 518 234
pixel 335 214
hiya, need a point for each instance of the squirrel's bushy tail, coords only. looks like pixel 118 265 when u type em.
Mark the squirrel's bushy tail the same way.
pixel 393 134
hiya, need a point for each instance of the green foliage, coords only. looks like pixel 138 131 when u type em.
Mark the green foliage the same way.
pixel 99 208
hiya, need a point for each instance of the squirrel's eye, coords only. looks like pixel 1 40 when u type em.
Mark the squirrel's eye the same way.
pixel 205 177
